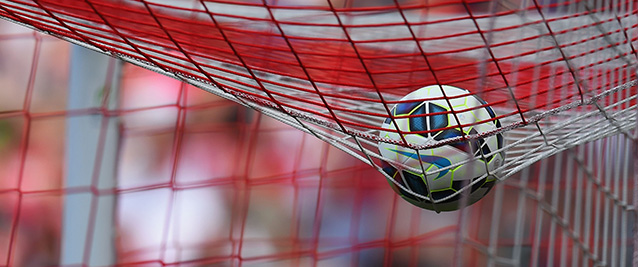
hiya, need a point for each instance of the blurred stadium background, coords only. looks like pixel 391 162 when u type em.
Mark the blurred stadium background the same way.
pixel 202 181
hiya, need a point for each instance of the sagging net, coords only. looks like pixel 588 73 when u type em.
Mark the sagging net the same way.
pixel 557 74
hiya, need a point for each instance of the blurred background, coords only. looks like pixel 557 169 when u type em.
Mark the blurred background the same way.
pixel 202 181
pixel 199 178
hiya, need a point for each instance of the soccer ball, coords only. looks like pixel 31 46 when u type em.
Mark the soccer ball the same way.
pixel 431 111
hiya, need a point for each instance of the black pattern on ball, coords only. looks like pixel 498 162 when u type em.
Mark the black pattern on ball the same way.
pixel 405 108
pixel 418 124
pixel 416 184
pixel 437 121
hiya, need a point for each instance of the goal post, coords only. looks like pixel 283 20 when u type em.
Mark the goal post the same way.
pixel 88 224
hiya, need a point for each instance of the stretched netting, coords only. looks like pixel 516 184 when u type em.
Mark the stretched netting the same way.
pixel 335 69
pixel 202 181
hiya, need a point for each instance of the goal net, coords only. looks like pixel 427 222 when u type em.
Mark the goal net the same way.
pixel 149 169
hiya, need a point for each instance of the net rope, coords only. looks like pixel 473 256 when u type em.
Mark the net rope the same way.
pixel 556 73
pixel 570 82
pixel 263 202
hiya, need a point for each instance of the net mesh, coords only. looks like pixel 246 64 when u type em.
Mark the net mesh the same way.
pixel 335 69
pixel 202 181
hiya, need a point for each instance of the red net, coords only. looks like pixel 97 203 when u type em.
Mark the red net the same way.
pixel 202 181
pixel 336 68
pixel 237 45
